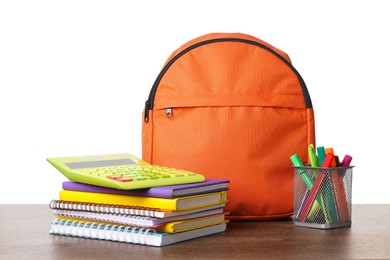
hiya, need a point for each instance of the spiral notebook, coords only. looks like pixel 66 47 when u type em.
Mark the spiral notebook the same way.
pixel 172 227
pixel 128 210
pixel 128 234
pixel 132 220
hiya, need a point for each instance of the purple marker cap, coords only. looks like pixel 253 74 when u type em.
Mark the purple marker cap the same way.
pixel 346 161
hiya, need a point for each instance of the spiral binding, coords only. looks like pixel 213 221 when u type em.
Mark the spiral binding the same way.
pixel 133 220
pixel 103 208
pixel 112 232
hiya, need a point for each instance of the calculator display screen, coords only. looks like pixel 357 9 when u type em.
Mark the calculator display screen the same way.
pixel 100 163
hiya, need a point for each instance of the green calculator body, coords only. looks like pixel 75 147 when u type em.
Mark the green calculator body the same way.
pixel 120 171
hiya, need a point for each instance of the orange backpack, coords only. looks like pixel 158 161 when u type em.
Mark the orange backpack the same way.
pixel 232 106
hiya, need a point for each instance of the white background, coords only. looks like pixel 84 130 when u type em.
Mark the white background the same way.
pixel 74 76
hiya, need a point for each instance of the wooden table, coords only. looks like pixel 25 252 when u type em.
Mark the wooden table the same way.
pixel 24 235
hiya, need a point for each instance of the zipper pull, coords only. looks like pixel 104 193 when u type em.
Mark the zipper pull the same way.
pixel 146 112
pixel 168 112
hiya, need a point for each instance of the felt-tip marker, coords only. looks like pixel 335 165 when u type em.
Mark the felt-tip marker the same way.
pixel 305 176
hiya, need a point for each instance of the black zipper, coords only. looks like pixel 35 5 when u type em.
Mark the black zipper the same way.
pixel 149 104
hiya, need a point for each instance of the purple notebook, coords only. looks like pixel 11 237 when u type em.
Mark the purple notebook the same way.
pixel 173 191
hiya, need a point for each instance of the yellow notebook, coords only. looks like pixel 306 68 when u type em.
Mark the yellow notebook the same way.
pixel 189 224
pixel 182 203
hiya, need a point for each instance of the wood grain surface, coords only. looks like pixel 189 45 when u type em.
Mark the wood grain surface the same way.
pixel 24 231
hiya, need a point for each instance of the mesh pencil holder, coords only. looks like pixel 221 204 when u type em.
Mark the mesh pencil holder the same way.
pixel 322 197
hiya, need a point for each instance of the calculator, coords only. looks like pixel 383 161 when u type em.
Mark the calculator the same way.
pixel 121 171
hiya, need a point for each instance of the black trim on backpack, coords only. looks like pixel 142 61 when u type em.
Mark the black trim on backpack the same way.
pixel 149 104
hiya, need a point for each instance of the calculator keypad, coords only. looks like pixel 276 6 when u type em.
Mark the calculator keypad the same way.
pixel 132 173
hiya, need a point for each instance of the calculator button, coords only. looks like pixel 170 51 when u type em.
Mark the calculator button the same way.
pixel 124 179
pixel 139 178
pixel 113 177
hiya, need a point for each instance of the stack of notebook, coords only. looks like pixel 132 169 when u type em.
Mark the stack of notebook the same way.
pixel 156 216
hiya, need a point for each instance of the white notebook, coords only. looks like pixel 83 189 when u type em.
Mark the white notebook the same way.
pixel 131 220
pixel 128 234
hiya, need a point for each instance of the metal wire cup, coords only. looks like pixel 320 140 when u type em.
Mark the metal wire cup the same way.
pixel 324 200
